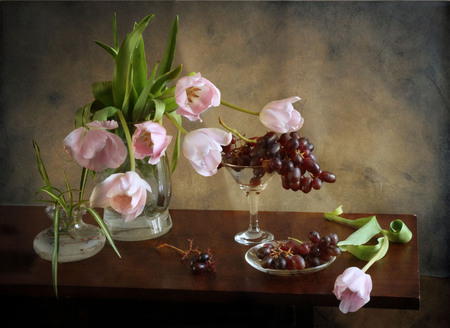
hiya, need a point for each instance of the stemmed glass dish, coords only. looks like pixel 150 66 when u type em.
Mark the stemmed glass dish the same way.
pixel 252 180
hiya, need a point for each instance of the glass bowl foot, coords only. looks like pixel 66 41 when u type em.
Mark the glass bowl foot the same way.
pixel 253 238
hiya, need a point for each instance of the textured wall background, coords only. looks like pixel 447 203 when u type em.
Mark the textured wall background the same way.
pixel 373 78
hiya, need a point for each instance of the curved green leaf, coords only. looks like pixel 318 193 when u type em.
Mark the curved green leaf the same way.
pixel 160 107
pixel 41 166
pixel 398 232
pixel 103 114
pixel 102 225
pixel 334 216
pixel 365 252
pixel 110 50
pixel 363 234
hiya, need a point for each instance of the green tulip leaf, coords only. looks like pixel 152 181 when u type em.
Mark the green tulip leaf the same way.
pixel 165 78
pixel 398 232
pixel 82 116
pixel 139 67
pixel 365 252
pixel 160 107
pixel 103 114
pixel 123 65
pixel 110 50
pixel 55 249
pixel 103 226
pixel 171 104
pixel 103 92
pixel 177 121
pixel 363 234
pixel 334 216
pixel 169 55
pixel 141 107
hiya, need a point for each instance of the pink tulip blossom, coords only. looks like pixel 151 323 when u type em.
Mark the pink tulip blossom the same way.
pixel 95 148
pixel 194 95
pixel 126 193
pixel 202 148
pixel 150 139
pixel 280 116
pixel 353 288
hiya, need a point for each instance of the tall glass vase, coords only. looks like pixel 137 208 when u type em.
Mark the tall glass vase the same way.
pixel 77 240
pixel 155 220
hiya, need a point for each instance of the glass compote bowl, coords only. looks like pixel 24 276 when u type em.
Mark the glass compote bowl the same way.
pixel 252 180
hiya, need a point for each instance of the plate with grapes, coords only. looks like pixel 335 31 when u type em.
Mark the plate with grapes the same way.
pixel 255 262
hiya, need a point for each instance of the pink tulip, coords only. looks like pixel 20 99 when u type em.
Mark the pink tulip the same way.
pixel 126 193
pixel 280 116
pixel 203 149
pixel 96 148
pixel 194 95
pixel 353 288
pixel 150 139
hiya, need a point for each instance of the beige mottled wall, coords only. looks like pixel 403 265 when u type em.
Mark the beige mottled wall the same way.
pixel 373 78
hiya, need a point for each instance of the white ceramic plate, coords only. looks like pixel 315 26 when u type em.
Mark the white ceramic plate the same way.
pixel 253 260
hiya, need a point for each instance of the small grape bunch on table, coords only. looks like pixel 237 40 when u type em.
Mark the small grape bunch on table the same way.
pixel 200 262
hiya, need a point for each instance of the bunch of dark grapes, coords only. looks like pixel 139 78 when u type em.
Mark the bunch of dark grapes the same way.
pixel 200 262
pixel 297 255
pixel 287 154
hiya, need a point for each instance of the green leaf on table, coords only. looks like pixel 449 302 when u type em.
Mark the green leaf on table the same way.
pixel 365 252
pixel 398 232
pixel 334 216
pixel 363 234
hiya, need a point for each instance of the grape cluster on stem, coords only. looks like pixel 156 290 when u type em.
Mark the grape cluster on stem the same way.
pixel 200 262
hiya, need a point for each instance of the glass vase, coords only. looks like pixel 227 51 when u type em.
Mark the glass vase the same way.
pixel 155 220
pixel 77 240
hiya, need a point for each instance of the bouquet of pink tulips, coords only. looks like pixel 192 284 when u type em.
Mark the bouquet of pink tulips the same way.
pixel 123 126
pixel 133 106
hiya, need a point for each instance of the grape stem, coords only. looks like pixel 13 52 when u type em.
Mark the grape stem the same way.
pixel 184 252
pixel 294 239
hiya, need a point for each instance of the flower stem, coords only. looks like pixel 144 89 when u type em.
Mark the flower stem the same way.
pixel 235 132
pixel 238 108
pixel 379 254
pixel 129 142
pixel 174 121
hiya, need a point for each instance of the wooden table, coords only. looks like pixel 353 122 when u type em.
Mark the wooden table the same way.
pixel 147 274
